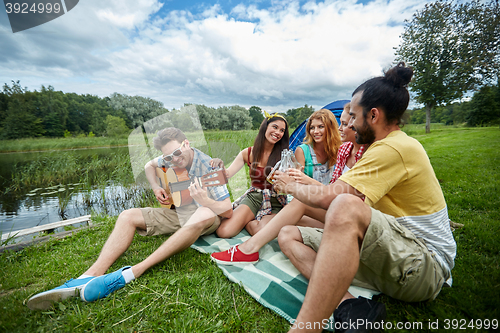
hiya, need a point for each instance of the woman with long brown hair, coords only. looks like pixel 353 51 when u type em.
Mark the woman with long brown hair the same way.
pixel 260 202
pixel 318 153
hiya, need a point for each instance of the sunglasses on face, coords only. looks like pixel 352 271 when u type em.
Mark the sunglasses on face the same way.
pixel 175 153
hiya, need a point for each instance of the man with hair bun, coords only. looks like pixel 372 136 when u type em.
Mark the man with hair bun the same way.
pixel 398 240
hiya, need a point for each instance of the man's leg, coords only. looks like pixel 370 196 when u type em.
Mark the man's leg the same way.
pixel 337 261
pixel 292 245
pixel 183 238
pixel 119 241
pixel 102 286
pixel 302 256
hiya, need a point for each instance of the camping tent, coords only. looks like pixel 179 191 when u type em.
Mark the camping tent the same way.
pixel 298 135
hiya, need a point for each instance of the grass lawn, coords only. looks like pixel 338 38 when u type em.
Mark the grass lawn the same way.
pixel 188 293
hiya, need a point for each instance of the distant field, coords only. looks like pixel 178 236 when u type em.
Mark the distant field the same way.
pixel 188 293
pixel 241 138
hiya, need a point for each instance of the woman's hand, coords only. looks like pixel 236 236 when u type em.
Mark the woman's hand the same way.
pixel 217 163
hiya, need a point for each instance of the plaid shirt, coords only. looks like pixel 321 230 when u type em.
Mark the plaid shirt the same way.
pixel 342 156
pixel 200 167
pixel 265 207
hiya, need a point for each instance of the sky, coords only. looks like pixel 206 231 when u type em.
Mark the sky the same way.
pixel 273 54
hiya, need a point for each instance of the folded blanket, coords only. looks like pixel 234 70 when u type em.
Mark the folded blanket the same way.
pixel 273 282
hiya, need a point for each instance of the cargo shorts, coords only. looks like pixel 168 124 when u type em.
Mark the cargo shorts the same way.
pixel 164 221
pixel 392 260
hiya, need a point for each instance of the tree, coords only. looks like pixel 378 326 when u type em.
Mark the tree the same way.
pixel 138 109
pixel 453 48
pixel 115 126
pixel 257 117
pixel 484 107
pixel 296 116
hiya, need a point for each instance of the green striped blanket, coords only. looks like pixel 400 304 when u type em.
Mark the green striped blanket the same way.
pixel 274 282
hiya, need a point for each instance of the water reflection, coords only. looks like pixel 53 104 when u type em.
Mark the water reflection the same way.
pixel 101 192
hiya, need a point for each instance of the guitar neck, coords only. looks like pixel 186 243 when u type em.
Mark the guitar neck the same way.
pixel 180 186
pixel 214 178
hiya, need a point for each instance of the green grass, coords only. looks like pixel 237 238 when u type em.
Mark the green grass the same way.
pixel 188 293
pixel 40 144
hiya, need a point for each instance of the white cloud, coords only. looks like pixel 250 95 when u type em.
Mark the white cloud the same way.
pixel 278 57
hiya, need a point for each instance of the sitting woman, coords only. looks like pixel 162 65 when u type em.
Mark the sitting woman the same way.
pixel 319 151
pixel 296 212
pixel 260 202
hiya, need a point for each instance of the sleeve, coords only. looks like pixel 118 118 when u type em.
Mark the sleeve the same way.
pixel 161 162
pixel 377 172
pixel 217 193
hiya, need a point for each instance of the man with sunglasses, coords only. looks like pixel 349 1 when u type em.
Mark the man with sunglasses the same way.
pixel 185 223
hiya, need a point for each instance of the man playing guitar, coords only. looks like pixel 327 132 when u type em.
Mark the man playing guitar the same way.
pixel 186 223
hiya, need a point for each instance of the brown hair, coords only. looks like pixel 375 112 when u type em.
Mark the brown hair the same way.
pixel 332 138
pixel 166 135
pixel 258 145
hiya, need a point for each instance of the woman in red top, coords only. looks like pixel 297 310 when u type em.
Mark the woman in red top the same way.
pixel 260 203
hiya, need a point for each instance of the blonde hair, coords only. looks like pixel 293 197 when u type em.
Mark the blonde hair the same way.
pixel 332 137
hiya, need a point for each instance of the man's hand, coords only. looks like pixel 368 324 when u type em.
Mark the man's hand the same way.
pixel 281 180
pixel 298 176
pixel 162 196
pixel 199 194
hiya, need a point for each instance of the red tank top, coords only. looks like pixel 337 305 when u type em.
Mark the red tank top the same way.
pixel 258 177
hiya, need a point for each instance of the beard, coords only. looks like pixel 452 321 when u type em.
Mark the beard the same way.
pixel 365 134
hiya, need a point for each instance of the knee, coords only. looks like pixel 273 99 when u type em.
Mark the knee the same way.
pixel 287 235
pixel 347 210
pixel 254 226
pixel 130 217
pixel 223 231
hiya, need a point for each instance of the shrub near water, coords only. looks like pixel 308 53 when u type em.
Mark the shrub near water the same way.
pixel 66 167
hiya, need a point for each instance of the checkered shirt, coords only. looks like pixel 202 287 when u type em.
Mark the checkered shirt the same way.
pixel 342 156
pixel 200 167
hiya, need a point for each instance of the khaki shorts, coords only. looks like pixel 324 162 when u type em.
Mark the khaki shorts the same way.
pixel 392 260
pixel 164 221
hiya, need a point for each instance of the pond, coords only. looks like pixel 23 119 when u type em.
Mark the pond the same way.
pixel 81 182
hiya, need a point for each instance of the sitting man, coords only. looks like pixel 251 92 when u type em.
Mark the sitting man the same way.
pixel 398 240
pixel 186 223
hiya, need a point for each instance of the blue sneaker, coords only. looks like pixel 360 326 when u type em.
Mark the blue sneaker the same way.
pixel 43 301
pixel 102 286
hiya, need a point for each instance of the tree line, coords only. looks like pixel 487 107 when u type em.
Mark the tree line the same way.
pixel 483 109
pixel 51 113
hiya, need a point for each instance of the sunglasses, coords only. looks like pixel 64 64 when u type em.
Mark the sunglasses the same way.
pixel 175 153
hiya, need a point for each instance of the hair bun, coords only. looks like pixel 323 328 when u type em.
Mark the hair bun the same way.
pixel 399 75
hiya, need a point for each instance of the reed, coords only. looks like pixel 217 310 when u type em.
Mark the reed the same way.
pixel 41 144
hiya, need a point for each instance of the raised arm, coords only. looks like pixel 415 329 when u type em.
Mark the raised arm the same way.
pixel 235 166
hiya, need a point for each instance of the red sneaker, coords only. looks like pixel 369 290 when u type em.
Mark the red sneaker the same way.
pixel 233 256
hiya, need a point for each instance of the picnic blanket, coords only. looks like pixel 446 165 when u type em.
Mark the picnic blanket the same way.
pixel 273 282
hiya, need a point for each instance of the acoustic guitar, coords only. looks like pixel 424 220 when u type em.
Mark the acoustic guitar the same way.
pixel 175 181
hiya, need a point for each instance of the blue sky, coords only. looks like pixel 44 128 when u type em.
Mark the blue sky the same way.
pixel 273 54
